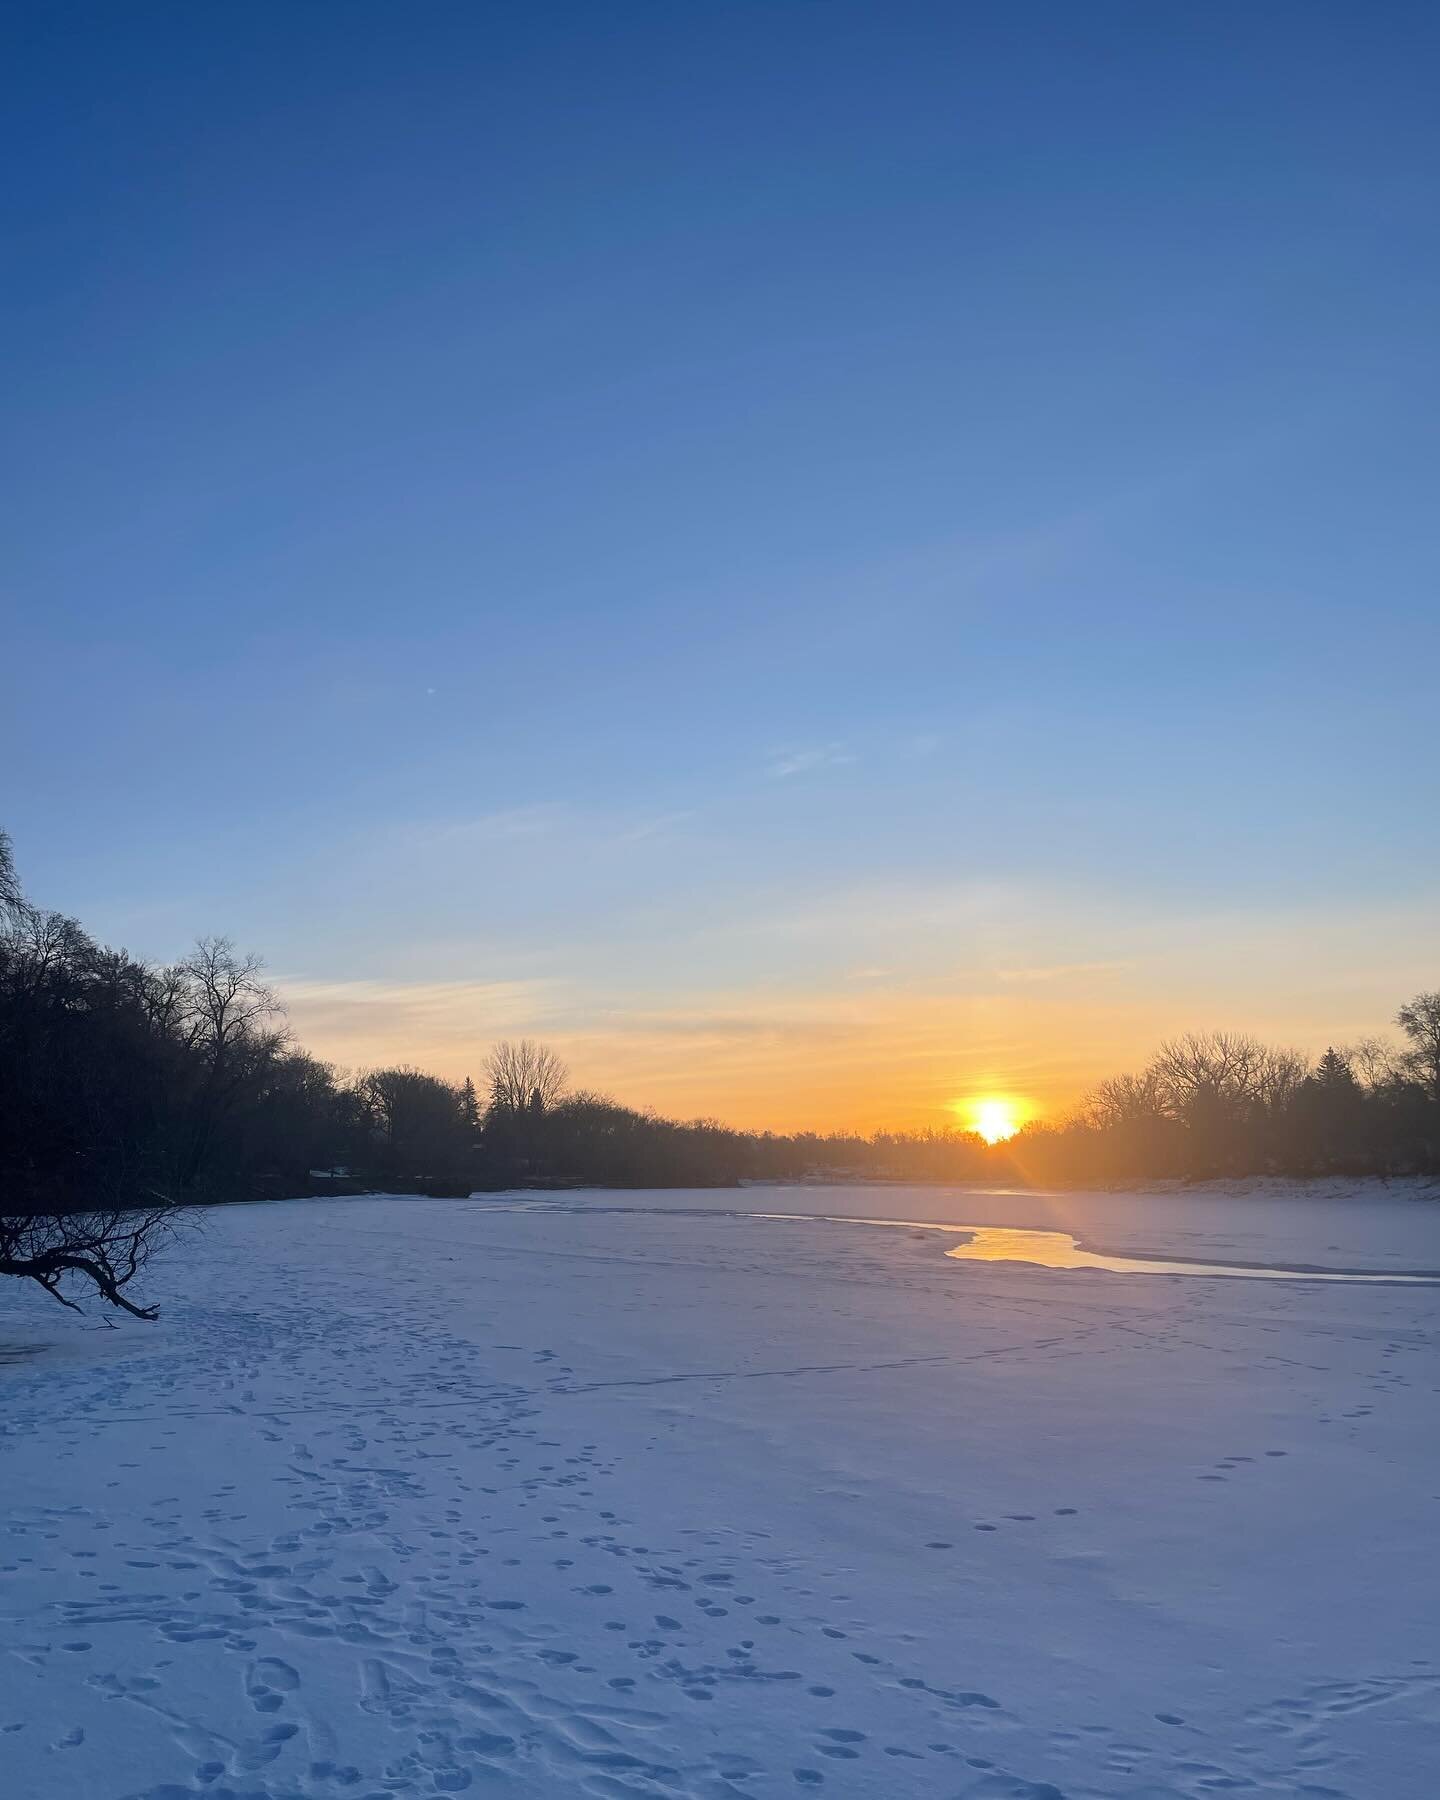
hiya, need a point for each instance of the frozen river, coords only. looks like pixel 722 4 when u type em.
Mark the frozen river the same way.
pixel 643 1495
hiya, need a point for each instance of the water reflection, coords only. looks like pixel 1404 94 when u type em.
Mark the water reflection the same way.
pixel 1059 1250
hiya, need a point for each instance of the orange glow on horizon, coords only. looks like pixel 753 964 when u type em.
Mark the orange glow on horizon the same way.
pixel 812 1061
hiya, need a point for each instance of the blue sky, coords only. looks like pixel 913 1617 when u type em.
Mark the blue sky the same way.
pixel 888 542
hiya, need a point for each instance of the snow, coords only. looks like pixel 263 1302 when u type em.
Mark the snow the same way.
pixel 625 1495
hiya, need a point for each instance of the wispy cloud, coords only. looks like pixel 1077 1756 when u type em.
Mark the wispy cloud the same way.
pixel 494 827
pixel 367 1022
pixel 1062 971
pixel 806 759
pixel 656 827
pixel 699 1028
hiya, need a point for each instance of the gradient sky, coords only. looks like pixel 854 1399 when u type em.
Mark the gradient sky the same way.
pixel 823 558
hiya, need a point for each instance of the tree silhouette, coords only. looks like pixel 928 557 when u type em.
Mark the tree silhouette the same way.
pixel 1419 1019
pixel 524 1077
pixel 108 1249
pixel 12 900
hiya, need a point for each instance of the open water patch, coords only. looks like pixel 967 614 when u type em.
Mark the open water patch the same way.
pixel 1061 1251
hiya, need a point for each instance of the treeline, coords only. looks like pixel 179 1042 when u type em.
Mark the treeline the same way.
pixel 125 1084
pixel 1223 1104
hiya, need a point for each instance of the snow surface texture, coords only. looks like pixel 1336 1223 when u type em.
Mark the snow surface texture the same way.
pixel 634 1496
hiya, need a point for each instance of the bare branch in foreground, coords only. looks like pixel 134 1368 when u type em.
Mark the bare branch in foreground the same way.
pixel 108 1249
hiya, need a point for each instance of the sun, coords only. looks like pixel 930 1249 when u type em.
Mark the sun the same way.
pixel 994 1120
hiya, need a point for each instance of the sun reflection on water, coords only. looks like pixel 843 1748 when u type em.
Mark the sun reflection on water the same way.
pixel 1060 1250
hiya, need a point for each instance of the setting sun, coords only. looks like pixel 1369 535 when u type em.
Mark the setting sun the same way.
pixel 994 1120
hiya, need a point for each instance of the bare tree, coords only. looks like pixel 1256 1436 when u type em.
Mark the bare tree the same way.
pixel 1277 1076
pixel 1375 1061
pixel 1225 1073
pixel 1123 1100
pixel 1419 1019
pixel 224 1000
pixel 13 904
pixel 221 1010
pixel 79 1072
pixel 108 1249
pixel 524 1076
pixel 166 1000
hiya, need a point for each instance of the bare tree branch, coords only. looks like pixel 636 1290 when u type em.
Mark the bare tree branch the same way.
pixel 108 1249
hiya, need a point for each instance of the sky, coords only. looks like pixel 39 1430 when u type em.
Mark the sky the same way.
pixel 824 559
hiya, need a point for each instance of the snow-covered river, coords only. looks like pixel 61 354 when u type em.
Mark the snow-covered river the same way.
pixel 642 1497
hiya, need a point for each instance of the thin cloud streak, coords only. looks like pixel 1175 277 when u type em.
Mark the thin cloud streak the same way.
pixel 808 759
pixel 433 1023
pixel 1062 971
pixel 656 827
